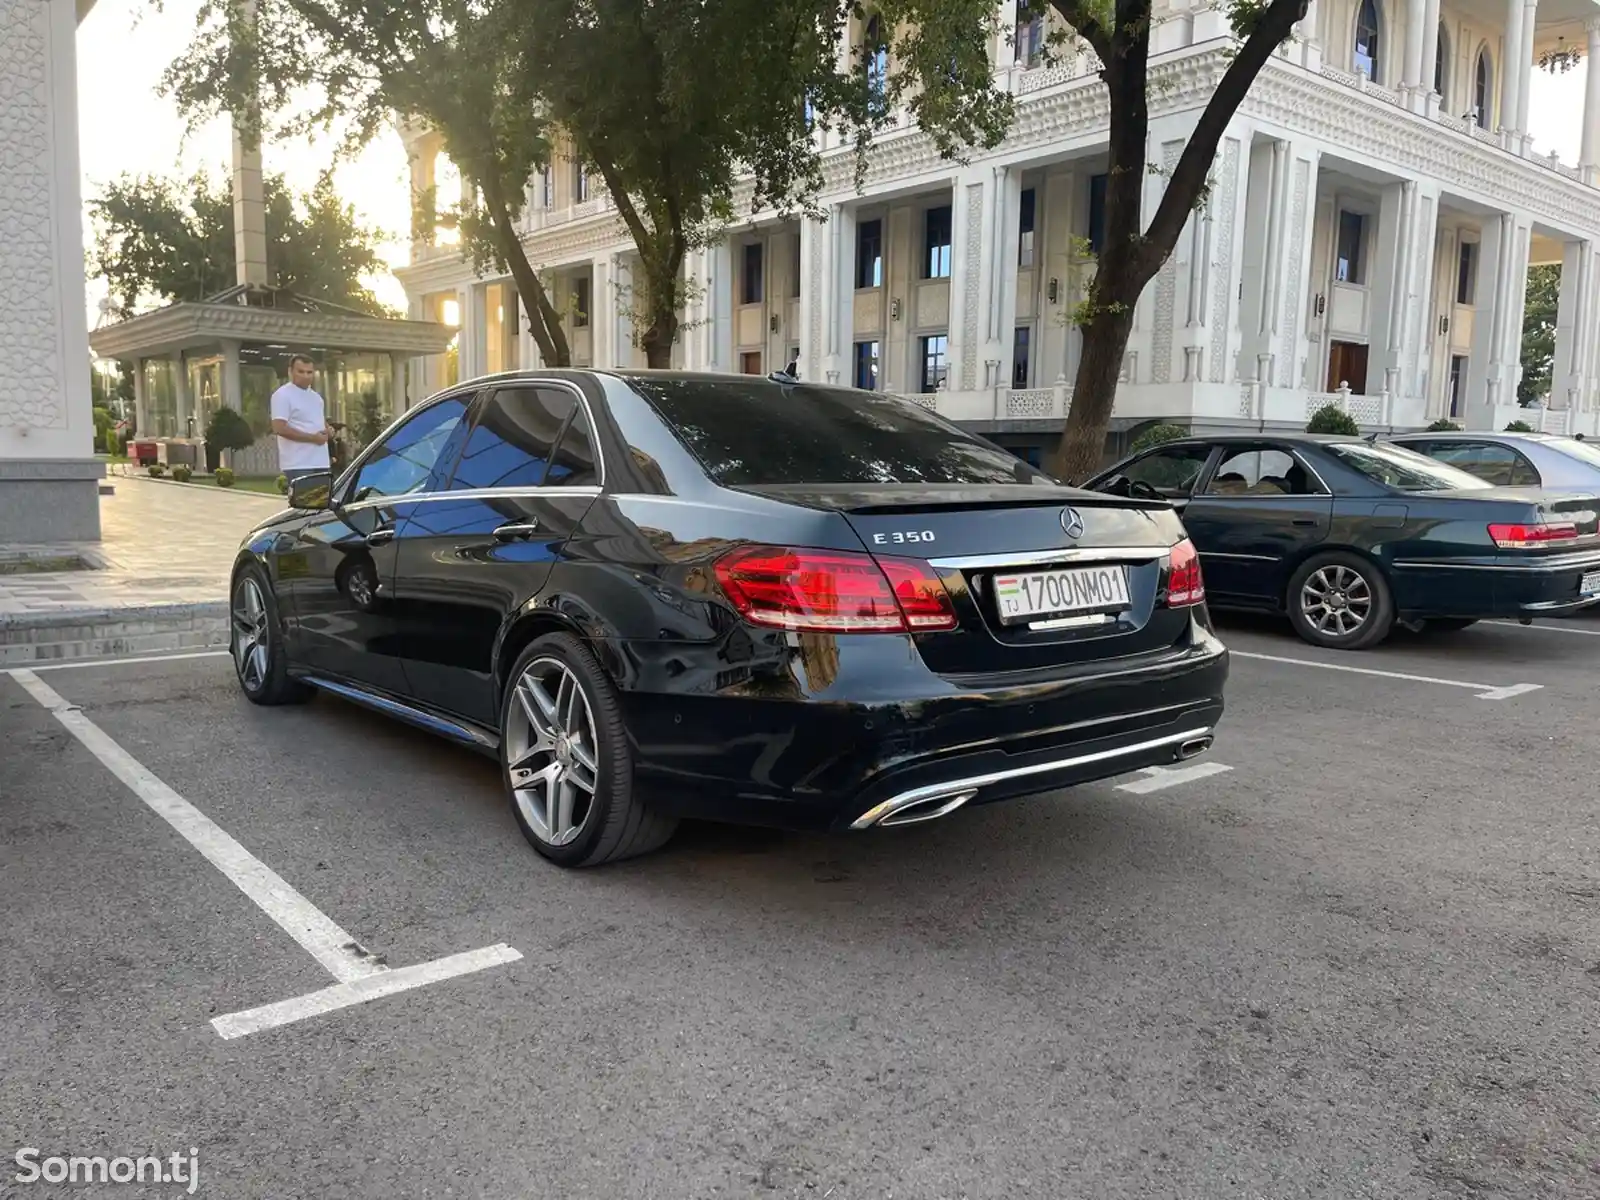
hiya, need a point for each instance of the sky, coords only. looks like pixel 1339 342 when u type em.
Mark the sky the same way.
pixel 127 127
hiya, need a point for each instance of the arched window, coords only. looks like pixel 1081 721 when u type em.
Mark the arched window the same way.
pixel 1029 33
pixel 1483 89
pixel 875 50
pixel 1441 61
pixel 1367 45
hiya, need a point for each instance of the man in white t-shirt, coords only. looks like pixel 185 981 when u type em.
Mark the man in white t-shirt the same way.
pixel 300 420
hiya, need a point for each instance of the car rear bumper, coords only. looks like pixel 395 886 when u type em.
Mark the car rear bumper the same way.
pixel 827 762
pixel 1497 587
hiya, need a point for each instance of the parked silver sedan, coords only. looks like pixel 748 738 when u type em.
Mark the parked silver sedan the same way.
pixel 1513 459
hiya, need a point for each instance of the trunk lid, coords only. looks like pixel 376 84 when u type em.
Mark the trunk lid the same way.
pixel 1536 506
pixel 1082 571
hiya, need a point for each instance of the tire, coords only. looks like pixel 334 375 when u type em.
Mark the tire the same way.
pixel 255 642
pixel 566 762
pixel 1449 624
pixel 1330 584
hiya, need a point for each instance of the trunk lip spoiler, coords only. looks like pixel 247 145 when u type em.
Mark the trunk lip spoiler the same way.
pixel 1070 554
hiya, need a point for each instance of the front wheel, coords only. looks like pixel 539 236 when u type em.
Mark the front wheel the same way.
pixel 1340 601
pixel 566 760
pixel 255 641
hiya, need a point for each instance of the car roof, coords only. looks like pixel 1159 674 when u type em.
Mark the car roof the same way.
pixel 1238 439
pixel 1458 435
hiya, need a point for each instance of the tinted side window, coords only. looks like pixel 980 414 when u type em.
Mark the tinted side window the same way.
pixel 754 433
pixel 403 462
pixel 1261 473
pixel 573 464
pixel 1172 471
pixel 511 441
pixel 1489 461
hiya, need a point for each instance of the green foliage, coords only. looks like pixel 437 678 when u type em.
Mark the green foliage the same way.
pixel 1444 425
pixel 1539 332
pixel 283 484
pixel 369 419
pixel 182 473
pixel 156 470
pixel 105 433
pixel 1330 418
pixel 170 240
pixel 1519 427
pixel 228 430
pixel 1156 435
pixel 224 477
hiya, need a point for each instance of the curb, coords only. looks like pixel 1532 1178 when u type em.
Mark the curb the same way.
pixel 204 487
pixel 80 633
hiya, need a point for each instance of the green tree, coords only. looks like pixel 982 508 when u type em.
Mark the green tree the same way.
pixel 1539 332
pixel 1330 418
pixel 170 240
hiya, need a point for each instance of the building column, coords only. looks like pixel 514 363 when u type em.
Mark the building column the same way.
pixel 1390 269
pixel 720 282
pixel 841 297
pixel 1572 319
pixel 1008 245
pixel 141 395
pixel 972 210
pixel 1310 35
pixel 472 348
pixel 1427 98
pixel 1530 11
pixel 1497 336
pixel 1589 158
pixel 813 296
pixel 602 329
pixel 619 310
pixel 1411 78
pixel 399 401
pixel 183 404
pixel 1517 60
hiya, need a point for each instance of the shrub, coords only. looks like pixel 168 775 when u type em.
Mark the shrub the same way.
pixel 224 477
pixel 1519 427
pixel 1444 425
pixel 1330 418
pixel 182 473
pixel 157 470
pixel 1156 435
pixel 283 484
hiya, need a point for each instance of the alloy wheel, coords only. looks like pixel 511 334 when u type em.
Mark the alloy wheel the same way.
pixel 252 635
pixel 1336 600
pixel 551 751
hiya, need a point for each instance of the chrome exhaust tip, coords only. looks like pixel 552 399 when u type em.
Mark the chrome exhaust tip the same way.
pixel 913 809
pixel 1193 747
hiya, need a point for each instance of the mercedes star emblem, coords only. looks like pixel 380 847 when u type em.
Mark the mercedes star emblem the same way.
pixel 1071 523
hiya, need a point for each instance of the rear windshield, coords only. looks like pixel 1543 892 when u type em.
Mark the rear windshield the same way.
pixel 1404 469
pixel 755 434
pixel 1585 452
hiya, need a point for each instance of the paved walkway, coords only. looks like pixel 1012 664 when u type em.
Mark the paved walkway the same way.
pixel 161 543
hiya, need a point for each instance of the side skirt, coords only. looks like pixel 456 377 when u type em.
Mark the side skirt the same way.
pixel 462 732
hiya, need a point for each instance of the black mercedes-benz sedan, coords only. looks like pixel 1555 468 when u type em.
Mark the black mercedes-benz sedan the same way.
pixel 1350 537
pixel 658 596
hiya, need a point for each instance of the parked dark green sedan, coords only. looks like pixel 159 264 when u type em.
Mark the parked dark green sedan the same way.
pixel 1349 538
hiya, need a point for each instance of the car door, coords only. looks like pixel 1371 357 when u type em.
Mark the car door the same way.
pixel 345 624
pixel 1258 511
pixel 472 555
pixel 1167 473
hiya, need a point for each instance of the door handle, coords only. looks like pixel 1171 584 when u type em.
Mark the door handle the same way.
pixel 516 530
pixel 380 537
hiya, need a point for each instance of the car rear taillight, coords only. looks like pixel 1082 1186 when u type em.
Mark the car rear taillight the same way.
pixel 1529 537
pixel 831 591
pixel 1185 587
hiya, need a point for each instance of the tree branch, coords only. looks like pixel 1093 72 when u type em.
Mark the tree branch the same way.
pixel 1188 179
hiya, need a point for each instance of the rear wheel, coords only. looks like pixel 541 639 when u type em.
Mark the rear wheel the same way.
pixel 1340 601
pixel 566 760
pixel 256 642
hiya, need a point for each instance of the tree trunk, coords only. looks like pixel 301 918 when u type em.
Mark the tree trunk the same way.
pixel 661 305
pixel 543 320
pixel 1082 447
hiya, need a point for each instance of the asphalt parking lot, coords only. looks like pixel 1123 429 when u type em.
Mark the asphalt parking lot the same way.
pixel 1354 952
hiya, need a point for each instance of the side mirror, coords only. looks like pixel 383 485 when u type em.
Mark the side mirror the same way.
pixel 312 491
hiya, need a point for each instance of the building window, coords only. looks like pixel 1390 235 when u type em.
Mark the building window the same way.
pixel 580 302
pixel 750 362
pixel 935 361
pixel 1441 57
pixel 794 267
pixel 1025 225
pixel 869 254
pixel 1030 34
pixel 1367 45
pixel 875 53
pixel 580 183
pixel 1097 213
pixel 1467 272
pixel 1482 95
pixel 936 243
pixel 866 370
pixel 1458 378
pixel 1021 345
pixel 750 275
pixel 547 186
pixel 1348 266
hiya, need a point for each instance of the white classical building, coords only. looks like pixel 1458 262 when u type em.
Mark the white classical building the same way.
pixel 1374 210
pixel 48 473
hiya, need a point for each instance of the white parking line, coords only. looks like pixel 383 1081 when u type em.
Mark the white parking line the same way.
pixel 361 974
pixel 1486 691
pixel 1546 628
pixel 1159 778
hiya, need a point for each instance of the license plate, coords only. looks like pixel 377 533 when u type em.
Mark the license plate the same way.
pixel 1048 593
pixel 1589 585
